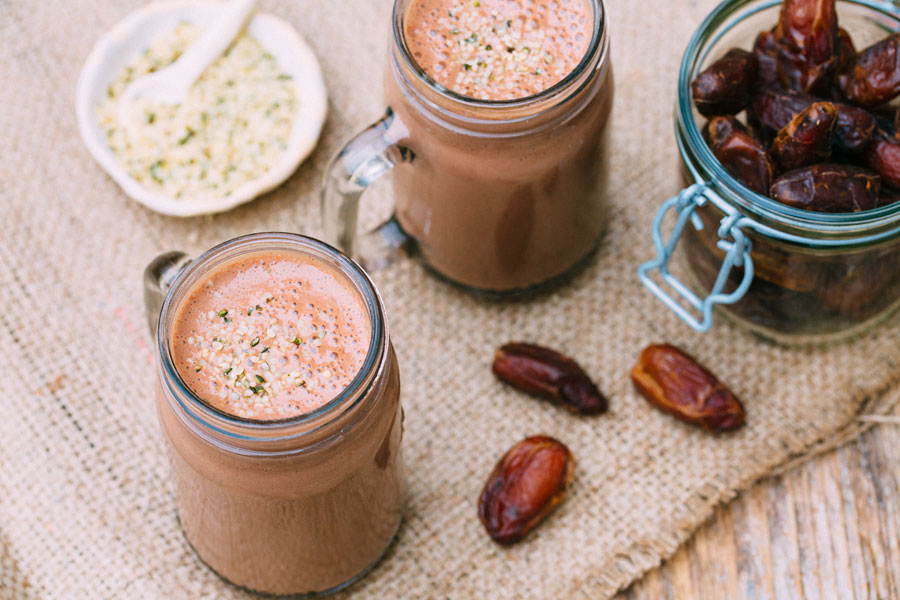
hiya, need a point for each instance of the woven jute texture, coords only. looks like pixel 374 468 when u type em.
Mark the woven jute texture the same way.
pixel 86 504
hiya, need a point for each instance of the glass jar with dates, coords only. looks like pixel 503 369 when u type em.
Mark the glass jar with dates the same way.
pixel 796 240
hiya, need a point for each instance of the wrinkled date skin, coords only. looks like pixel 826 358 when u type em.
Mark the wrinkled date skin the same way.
pixel 874 77
pixel 677 384
pixel 527 483
pixel 807 37
pixel 746 158
pixel 828 188
pixel 883 157
pixel 806 139
pixel 854 129
pixel 724 88
pixel 548 374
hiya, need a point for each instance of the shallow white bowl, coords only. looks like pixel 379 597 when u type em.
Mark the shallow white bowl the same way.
pixel 131 36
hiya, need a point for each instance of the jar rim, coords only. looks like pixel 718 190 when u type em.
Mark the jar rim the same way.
pixel 721 20
pixel 232 426
pixel 598 43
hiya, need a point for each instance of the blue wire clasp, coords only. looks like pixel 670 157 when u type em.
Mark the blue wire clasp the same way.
pixel 732 241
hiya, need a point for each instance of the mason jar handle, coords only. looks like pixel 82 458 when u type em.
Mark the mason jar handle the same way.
pixel 364 159
pixel 731 240
pixel 159 276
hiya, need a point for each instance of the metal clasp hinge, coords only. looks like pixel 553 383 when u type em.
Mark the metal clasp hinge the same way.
pixel 731 240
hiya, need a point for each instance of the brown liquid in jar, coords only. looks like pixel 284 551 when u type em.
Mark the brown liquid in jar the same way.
pixel 509 204
pixel 287 517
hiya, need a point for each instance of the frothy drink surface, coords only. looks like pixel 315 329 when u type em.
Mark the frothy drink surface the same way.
pixel 498 49
pixel 270 336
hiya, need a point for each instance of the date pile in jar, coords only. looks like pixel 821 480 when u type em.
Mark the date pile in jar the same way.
pixel 803 119
pixel 817 135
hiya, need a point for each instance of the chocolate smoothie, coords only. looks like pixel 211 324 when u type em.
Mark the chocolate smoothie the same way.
pixel 281 488
pixel 502 196
pixel 270 336
pixel 498 49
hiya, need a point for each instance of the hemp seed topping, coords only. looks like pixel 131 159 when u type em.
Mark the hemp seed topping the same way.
pixel 286 359
pixel 500 49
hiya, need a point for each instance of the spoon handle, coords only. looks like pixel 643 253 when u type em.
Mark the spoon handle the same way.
pixel 213 42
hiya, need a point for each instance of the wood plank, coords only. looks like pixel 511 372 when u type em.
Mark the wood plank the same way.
pixel 829 528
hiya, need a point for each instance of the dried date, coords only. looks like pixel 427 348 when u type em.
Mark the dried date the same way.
pixel 874 77
pixel 548 374
pixel 526 484
pixel 724 88
pixel 807 38
pixel 746 159
pixel 765 49
pixel 807 138
pixel 828 188
pixel 677 384
pixel 774 109
pixel 883 157
pixel 855 128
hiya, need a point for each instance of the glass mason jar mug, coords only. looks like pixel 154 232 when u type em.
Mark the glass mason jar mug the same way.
pixel 788 275
pixel 300 505
pixel 497 196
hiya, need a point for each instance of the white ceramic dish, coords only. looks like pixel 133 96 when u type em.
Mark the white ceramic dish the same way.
pixel 136 32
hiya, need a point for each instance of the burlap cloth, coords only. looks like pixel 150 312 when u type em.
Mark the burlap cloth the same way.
pixel 86 505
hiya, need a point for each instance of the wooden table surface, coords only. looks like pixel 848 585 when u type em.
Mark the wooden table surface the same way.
pixel 829 528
